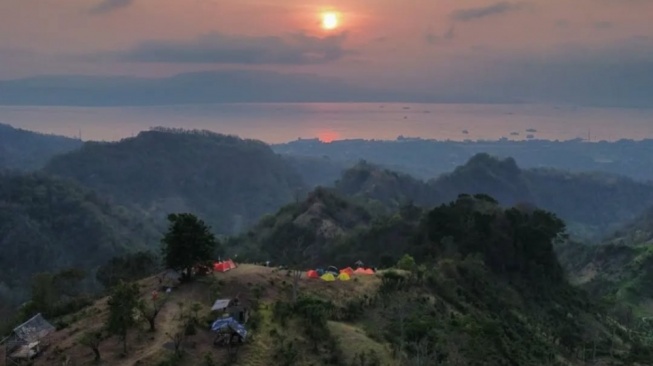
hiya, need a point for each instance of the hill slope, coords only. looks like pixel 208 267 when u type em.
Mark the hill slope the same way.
pixel 618 270
pixel 25 150
pixel 308 228
pixel 486 289
pixel 48 224
pixel 593 204
pixel 227 181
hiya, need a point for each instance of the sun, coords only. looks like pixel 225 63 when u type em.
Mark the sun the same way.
pixel 330 20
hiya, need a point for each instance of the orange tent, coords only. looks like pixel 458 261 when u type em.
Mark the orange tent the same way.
pixel 312 274
pixel 362 271
pixel 347 270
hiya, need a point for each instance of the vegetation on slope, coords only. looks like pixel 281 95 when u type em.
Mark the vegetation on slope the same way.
pixel 26 150
pixel 308 227
pixel 619 270
pixel 228 181
pixel 485 289
pixel 591 203
pixel 49 224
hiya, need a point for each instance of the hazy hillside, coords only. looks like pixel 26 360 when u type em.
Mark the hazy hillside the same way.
pixel 593 204
pixel 227 181
pixel 307 228
pixel 426 159
pixel 618 270
pixel 49 224
pixel 25 150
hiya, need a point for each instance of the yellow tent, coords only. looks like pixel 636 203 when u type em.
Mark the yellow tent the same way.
pixel 343 276
pixel 328 277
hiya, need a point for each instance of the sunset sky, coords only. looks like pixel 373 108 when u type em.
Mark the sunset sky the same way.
pixel 594 48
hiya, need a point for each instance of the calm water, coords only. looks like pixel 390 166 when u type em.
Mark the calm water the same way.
pixel 276 123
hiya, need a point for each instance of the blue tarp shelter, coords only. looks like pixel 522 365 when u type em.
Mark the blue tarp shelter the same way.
pixel 224 323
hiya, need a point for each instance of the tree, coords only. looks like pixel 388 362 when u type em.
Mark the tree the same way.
pixel 187 242
pixel 406 263
pixel 123 301
pixel 92 339
pixel 151 309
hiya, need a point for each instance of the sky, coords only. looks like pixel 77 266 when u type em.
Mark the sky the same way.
pixel 583 51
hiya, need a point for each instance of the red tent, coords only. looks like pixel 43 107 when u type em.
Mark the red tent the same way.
pixel 347 270
pixel 369 271
pixel 231 264
pixel 221 267
pixel 312 274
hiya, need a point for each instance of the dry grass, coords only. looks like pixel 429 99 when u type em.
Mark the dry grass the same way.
pixel 147 348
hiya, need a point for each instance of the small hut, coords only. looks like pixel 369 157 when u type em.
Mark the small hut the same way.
pixel 28 340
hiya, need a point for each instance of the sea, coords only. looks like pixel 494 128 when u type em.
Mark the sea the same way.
pixel 279 123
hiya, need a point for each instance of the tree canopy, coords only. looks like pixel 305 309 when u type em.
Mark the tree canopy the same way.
pixel 189 241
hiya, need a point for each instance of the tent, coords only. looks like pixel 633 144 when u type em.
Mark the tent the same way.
pixel 221 266
pixel 220 304
pixel 312 274
pixel 28 339
pixel 333 270
pixel 223 324
pixel 343 277
pixel 347 270
pixel 359 263
pixel 364 271
pixel 328 277
pixel 231 264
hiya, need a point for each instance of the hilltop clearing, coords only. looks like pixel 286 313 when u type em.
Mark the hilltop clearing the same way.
pixel 257 286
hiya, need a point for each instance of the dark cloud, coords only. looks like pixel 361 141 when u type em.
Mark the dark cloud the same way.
pixel 217 48
pixel 448 35
pixel 466 15
pixel 107 6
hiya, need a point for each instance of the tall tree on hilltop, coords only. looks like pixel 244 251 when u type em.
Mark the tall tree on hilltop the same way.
pixel 122 303
pixel 188 241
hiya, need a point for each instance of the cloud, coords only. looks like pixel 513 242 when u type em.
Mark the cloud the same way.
pixel 216 48
pixel 448 35
pixel 107 6
pixel 466 15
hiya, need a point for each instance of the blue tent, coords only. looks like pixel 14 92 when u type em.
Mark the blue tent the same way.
pixel 230 323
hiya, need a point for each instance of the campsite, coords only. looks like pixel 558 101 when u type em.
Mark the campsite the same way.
pixel 256 289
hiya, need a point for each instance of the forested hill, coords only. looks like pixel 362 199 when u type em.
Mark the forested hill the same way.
pixel 619 269
pixel 481 283
pixel 50 224
pixel 228 181
pixel 592 204
pixel 26 150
